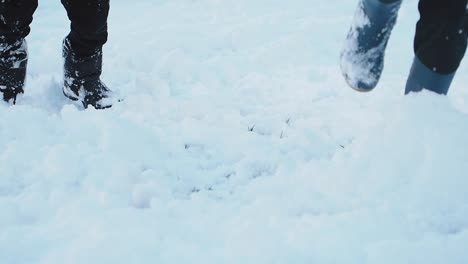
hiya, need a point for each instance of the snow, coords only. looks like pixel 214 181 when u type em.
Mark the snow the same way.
pixel 238 142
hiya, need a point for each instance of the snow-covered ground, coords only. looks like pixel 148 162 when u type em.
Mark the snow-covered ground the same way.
pixel 238 142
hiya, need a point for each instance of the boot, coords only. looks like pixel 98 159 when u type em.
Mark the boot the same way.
pixel 421 77
pixel 13 62
pixel 82 79
pixel 362 59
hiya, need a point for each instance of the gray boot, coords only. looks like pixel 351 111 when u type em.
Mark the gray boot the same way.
pixel 421 77
pixel 13 63
pixel 362 59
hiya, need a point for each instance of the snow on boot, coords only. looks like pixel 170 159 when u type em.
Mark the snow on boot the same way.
pixel 362 58
pixel 13 62
pixel 82 79
pixel 421 77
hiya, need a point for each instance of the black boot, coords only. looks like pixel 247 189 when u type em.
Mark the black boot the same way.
pixel 82 79
pixel 13 62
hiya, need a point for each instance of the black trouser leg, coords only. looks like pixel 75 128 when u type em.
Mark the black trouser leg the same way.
pixel 16 16
pixel 441 34
pixel 88 25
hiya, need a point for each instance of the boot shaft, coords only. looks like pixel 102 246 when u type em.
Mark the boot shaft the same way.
pixel 13 64
pixel 421 77
pixel 81 68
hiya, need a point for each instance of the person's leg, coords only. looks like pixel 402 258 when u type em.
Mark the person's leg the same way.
pixel 88 25
pixel 82 50
pixel 16 16
pixel 439 45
